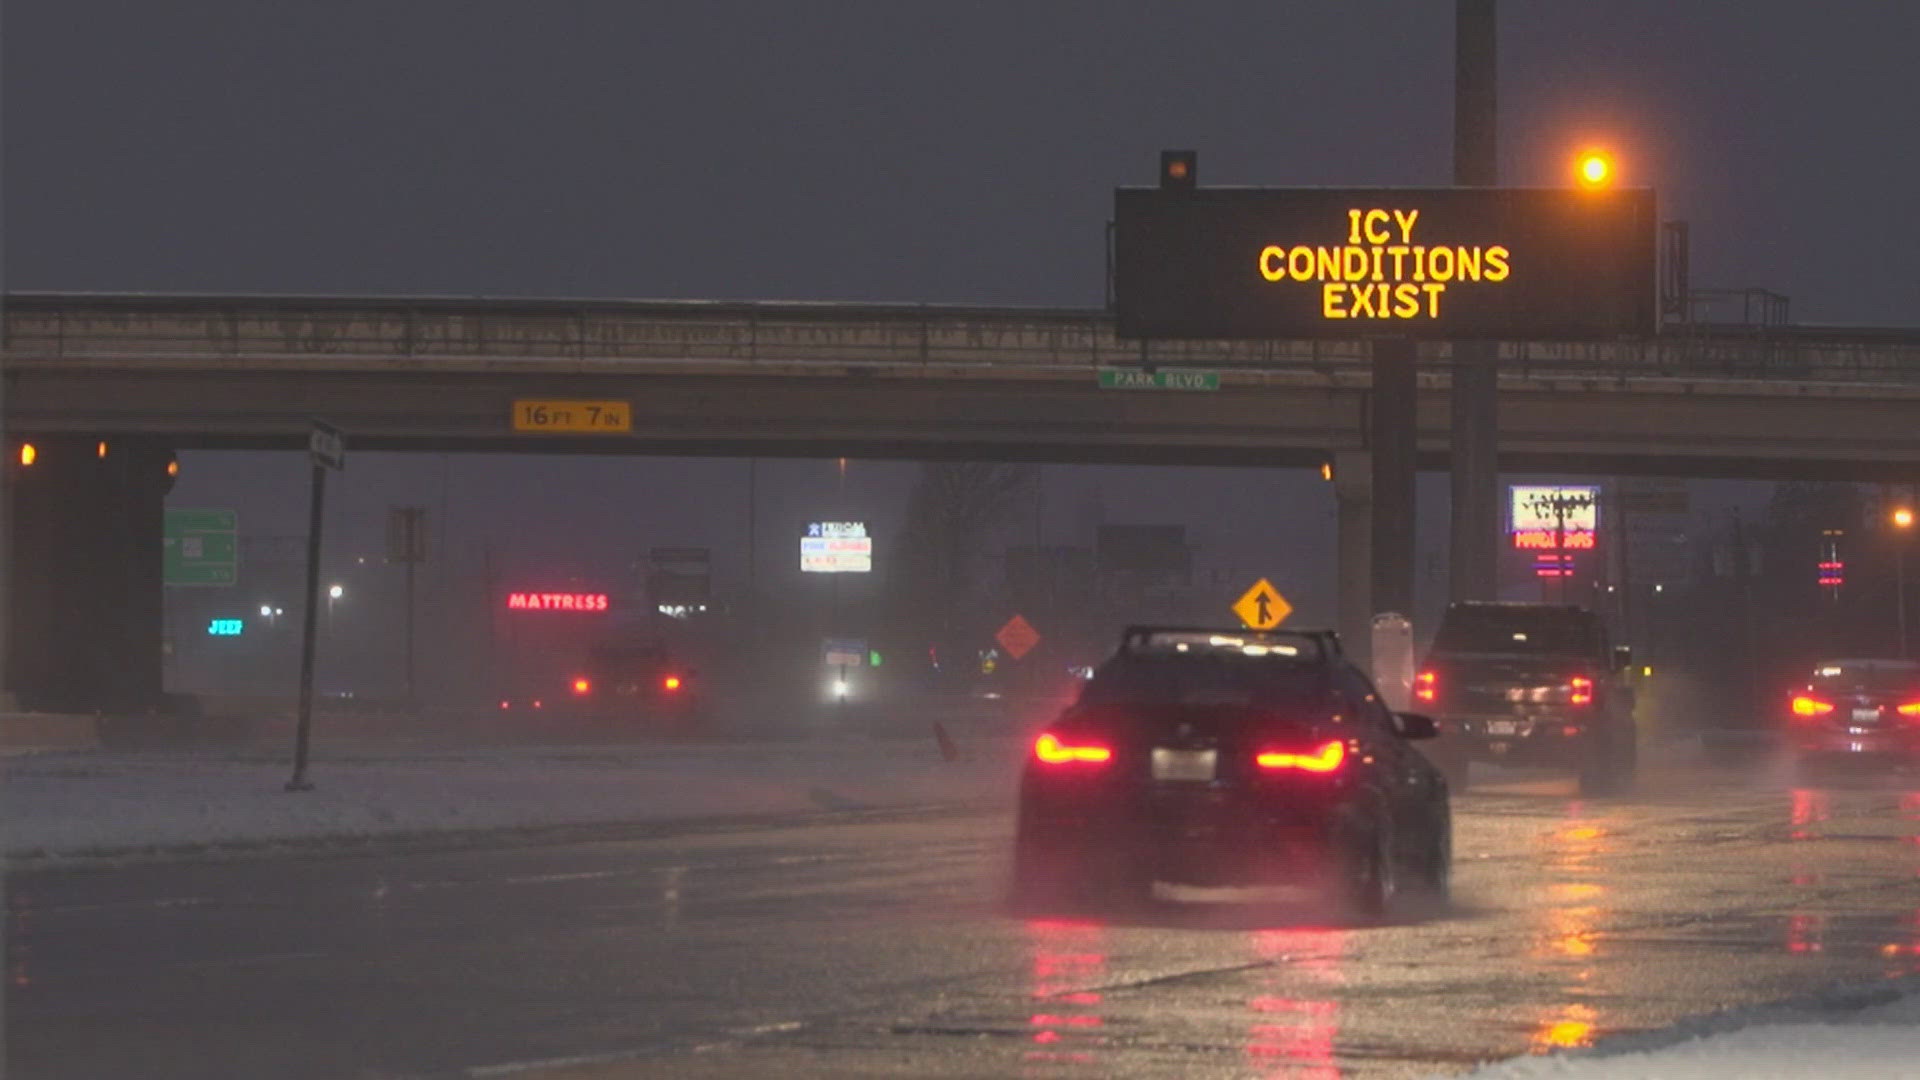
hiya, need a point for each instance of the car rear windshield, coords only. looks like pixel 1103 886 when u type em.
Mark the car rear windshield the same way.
pixel 1886 675
pixel 1205 679
pixel 1518 631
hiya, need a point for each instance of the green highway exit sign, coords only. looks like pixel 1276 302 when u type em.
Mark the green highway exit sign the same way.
pixel 200 547
pixel 1175 379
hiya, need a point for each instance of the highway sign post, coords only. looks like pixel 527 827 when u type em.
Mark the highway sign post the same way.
pixel 200 547
pixel 1262 607
pixel 327 447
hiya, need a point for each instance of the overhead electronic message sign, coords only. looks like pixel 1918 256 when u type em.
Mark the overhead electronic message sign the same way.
pixel 1431 263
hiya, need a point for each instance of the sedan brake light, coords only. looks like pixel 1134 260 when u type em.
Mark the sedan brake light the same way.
pixel 1325 759
pixel 1426 686
pixel 582 686
pixel 671 683
pixel 1911 708
pixel 1050 749
pixel 1581 689
pixel 1808 706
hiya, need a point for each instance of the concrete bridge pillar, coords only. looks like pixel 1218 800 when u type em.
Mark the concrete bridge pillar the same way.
pixel 84 599
pixel 1353 491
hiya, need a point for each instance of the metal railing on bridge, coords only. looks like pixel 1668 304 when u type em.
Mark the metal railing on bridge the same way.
pixel 321 332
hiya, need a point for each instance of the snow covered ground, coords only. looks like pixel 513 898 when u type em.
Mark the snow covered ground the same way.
pixel 70 803
pixel 1859 1033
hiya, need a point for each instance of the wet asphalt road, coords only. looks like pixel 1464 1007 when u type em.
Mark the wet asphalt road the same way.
pixel 876 946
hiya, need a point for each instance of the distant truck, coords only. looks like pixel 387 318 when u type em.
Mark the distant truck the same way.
pixel 1529 684
pixel 644 687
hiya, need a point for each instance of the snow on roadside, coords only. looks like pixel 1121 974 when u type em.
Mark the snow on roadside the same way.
pixel 1823 1038
pixel 73 803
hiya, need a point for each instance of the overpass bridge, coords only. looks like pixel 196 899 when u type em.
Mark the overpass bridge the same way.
pixel 924 381
pixel 152 374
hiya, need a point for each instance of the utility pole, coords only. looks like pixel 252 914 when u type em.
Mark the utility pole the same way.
pixel 1474 439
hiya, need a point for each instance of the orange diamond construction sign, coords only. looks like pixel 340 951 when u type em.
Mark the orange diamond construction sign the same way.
pixel 1018 637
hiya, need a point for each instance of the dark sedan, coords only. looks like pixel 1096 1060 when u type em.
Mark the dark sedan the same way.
pixel 1857 708
pixel 1211 757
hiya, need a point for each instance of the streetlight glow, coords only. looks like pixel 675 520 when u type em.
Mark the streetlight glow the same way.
pixel 1595 169
pixel 336 592
pixel 1903 518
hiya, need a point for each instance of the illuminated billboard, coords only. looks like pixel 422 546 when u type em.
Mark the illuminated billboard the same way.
pixel 580 602
pixel 1431 263
pixel 1553 517
pixel 836 547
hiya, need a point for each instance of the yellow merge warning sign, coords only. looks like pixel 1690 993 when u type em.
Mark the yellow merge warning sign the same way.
pixel 573 417
pixel 1262 608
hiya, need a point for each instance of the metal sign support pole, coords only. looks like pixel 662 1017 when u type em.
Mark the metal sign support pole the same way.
pixel 304 728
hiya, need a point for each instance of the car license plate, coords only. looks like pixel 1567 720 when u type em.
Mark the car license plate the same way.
pixel 1866 716
pixel 1503 727
pixel 1191 765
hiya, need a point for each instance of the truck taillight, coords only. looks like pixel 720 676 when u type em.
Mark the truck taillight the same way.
pixel 1580 690
pixel 1426 686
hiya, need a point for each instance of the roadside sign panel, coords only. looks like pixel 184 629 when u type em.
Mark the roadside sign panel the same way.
pixel 328 445
pixel 200 547
pixel 1018 637
pixel 836 547
pixel 1159 379
pixel 1262 607
pixel 1432 263
pixel 573 417
pixel 844 652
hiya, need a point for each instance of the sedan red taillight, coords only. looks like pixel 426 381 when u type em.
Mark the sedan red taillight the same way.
pixel 1911 710
pixel 1049 749
pixel 1809 706
pixel 1326 758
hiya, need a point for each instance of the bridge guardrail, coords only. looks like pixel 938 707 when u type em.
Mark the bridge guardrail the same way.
pixel 411 334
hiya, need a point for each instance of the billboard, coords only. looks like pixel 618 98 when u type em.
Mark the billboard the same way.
pixel 1430 263
pixel 1553 517
pixel 836 547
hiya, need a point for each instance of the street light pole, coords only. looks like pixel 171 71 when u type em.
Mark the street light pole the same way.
pixel 1903 521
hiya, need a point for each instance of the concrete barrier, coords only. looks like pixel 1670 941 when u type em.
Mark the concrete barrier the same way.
pixel 20 732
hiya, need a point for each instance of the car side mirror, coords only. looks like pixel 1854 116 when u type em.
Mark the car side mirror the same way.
pixel 1622 658
pixel 1410 725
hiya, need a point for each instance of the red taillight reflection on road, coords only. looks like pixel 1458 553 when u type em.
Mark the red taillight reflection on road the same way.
pixel 1323 760
pixel 1050 749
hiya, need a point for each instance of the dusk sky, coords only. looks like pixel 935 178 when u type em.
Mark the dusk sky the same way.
pixel 880 151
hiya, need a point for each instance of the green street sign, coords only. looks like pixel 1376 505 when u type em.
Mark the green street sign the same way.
pixel 200 547
pixel 1164 379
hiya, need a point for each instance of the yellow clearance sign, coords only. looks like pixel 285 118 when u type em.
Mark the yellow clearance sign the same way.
pixel 1427 262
